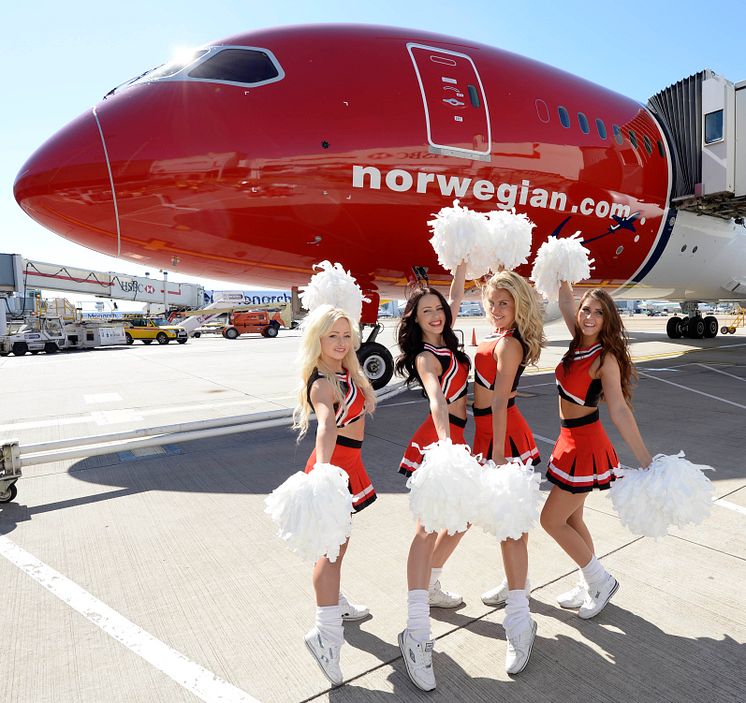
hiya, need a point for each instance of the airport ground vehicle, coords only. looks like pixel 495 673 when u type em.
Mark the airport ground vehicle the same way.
pixel 147 331
pixel 53 334
pixel 255 321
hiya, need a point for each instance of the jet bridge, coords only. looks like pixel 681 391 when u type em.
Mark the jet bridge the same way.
pixel 704 118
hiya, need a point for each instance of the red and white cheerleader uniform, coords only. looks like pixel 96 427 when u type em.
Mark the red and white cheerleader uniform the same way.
pixel 583 457
pixel 348 452
pixel 519 440
pixel 453 383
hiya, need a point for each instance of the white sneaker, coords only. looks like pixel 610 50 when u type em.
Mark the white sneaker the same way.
pixel 438 598
pixel 574 597
pixel 519 649
pixel 326 656
pixel 418 658
pixel 498 596
pixel 352 611
pixel 597 597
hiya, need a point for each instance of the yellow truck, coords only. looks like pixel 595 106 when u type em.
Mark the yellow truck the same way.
pixel 147 330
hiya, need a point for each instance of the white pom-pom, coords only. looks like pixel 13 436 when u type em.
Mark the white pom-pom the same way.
pixel 560 260
pixel 672 491
pixel 461 234
pixel 333 286
pixel 509 238
pixel 313 512
pixel 509 499
pixel 445 488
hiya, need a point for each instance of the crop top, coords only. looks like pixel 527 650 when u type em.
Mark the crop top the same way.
pixel 352 407
pixel 485 367
pixel 455 375
pixel 576 386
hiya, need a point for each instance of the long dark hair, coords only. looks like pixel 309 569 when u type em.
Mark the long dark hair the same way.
pixel 613 339
pixel 409 335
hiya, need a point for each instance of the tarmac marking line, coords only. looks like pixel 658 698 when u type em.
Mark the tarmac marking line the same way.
pixel 693 390
pixel 731 506
pixel 725 373
pixel 193 677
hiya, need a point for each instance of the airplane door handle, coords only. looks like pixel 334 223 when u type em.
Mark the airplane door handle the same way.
pixel 454 102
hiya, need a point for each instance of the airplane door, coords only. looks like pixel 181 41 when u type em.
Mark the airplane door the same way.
pixel 456 113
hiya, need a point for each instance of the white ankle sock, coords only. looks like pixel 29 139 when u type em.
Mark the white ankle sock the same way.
pixel 329 623
pixel 593 572
pixel 434 576
pixel 418 614
pixel 517 614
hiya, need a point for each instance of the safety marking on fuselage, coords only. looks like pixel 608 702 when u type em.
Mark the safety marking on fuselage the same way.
pixel 193 677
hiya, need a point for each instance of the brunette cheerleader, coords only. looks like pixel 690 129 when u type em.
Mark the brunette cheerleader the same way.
pixel 597 366
pixel 335 388
pixel 502 433
pixel 431 357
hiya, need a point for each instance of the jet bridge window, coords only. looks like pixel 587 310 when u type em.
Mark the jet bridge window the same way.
pixel 714 127
pixel 237 65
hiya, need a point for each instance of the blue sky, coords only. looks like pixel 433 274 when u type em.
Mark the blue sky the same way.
pixel 61 57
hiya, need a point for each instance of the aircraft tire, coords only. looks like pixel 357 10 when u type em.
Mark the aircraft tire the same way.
pixel 695 329
pixel 711 327
pixel 674 327
pixel 377 363
pixel 8 494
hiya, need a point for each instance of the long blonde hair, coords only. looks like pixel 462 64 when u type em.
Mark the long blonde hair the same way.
pixel 315 326
pixel 529 318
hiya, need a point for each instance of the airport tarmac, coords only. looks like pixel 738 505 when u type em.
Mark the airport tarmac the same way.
pixel 154 575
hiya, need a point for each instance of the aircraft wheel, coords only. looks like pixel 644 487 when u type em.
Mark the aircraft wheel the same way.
pixel 711 327
pixel 51 347
pixel 129 338
pixel 162 338
pixel 377 363
pixel 230 333
pixel 673 328
pixel 8 494
pixel 20 348
pixel 695 329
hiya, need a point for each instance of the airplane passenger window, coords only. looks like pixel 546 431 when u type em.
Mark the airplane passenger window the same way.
pixel 583 122
pixel 237 66
pixel 617 133
pixel 564 116
pixel 633 138
pixel 601 127
pixel 648 145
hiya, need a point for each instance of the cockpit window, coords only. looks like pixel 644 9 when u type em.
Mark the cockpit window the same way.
pixel 221 64
pixel 236 66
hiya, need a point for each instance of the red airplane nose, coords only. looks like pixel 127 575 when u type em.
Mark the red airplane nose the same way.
pixel 65 186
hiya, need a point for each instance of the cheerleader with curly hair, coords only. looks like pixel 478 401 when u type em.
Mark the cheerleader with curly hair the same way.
pixel 596 367
pixel 334 387
pixel 502 433
pixel 432 359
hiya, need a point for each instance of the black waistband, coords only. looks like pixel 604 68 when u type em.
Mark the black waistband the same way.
pixel 459 422
pixel 580 421
pixel 479 412
pixel 347 442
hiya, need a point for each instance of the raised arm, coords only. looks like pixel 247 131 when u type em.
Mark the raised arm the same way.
pixel 508 357
pixel 428 368
pixel 620 413
pixel 456 294
pixel 567 305
pixel 322 399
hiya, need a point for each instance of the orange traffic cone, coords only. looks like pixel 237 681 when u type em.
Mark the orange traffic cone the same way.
pixel 473 337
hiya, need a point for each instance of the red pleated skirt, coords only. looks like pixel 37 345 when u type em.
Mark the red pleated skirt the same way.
pixel 425 436
pixel 519 440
